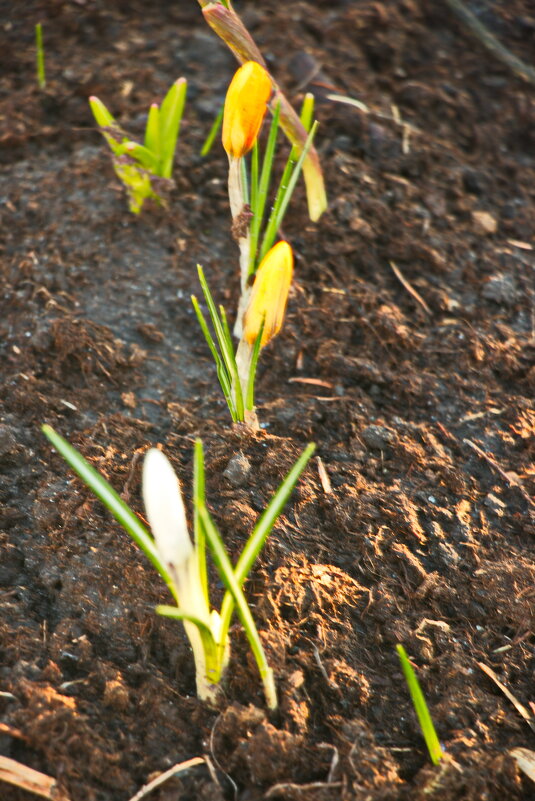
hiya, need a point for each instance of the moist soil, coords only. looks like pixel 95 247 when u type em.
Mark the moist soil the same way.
pixel 407 355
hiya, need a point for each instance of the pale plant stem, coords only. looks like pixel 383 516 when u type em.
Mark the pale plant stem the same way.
pixel 244 356
pixel 237 202
pixel 208 666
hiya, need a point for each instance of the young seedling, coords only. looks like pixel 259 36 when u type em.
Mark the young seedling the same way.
pixel 263 320
pixel 222 18
pixel 250 188
pixel 183 564
pixel 145 169
pixel 40 57
pixel 420 706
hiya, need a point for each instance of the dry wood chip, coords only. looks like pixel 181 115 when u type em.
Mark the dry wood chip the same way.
pixel 33 781
pixel 525 759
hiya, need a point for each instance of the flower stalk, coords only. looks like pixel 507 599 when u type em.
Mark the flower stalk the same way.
pixel 263 318
pixel 182 564
pixel 222 18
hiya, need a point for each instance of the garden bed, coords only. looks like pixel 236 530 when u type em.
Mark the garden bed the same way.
pixel 407 355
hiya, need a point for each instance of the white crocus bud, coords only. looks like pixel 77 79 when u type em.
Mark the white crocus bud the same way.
pixel 165 510
pixel 167 518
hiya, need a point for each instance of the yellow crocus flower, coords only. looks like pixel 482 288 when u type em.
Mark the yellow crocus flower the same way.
pixel 245 108
pixel 269 294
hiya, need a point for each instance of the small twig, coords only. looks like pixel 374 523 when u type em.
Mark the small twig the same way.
pixel 410 289
pixel 324 477
pixel 520 708
pixel 180 767
pixel 277 789
pixel 489 41
pixel 33 781
pixel 513 482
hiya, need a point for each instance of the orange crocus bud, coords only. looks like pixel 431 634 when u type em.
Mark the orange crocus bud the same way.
pixel 245 108
pixel 269 294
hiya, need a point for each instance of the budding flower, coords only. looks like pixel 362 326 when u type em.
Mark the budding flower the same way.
pixel 269 294
pixel 245 108
pixel 165 509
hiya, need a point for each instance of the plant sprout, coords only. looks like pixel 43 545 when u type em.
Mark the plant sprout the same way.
pixel 40 56
pixel 249 189
pixel 145 169
pixel 420 706
pixel 222 18
pixel 183 564
pixel 263 320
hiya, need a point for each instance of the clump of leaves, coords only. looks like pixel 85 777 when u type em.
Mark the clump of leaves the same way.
pixel 182 564
pixel 145 170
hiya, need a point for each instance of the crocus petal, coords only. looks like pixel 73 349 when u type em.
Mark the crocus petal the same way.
pixel 269 294
pixel 165 509
pixel 245 108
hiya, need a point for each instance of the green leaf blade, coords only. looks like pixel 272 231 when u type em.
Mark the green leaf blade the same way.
pixel 420 706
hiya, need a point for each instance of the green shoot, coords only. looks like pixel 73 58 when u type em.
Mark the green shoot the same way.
pixel 40 56
pixel 420 707
pixel 214 130
pixel 145 169
pixel 182 564
pixel 238 390
pixel 222 18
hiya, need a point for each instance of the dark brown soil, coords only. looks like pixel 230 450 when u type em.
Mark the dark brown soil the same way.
pixel 422 412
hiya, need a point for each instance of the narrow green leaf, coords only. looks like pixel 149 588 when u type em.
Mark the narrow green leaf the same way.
pixel 225 345
pixel 40 56
pixel 152 131
pixel 198 502
pixel 420 706
pixel 111 501
pixel 249 400
pixel 262 530
pixel 307 111
pixel 145 157
pixel 226 574
pixel 176 613
pixel 283 198
pixel 171 112
pixel 214 130
pixel 101 113
pixel 225 380
pixel 244 181
pixel 254 176
pixel 263 188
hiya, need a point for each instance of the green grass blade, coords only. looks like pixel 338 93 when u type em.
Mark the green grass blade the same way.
pixel 244 181
pixel 228 336
pixel 171 112
pixel 224 341
pixel 261 531
pixel 263 528
pixel 307 113
pixel 420 707
pixel 283 198
pixel 198 502
pixel 176 613
pixel 152 131
pixel 254 176
pixel 225 380
pixel 40 56
pixel 111 501
pixel 101 114
pixel 145 157
pixel 214 130
pixel 263 189
pixel 226 574
pixel 249 399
